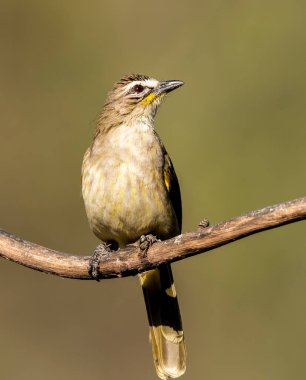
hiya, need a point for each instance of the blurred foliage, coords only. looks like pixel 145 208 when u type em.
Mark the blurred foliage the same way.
pixel 236 133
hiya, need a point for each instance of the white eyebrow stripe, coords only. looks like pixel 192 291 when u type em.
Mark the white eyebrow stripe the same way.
pixel 147 83
pixel 151 82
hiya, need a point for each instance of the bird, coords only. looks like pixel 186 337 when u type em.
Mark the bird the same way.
pixel 131 193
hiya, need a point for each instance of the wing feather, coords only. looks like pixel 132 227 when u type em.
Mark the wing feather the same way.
pixel 173 187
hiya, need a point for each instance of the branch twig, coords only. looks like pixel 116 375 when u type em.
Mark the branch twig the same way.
pixel 127 262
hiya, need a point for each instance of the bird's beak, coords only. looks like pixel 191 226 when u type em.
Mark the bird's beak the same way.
pixel 167 86
pixel 161 90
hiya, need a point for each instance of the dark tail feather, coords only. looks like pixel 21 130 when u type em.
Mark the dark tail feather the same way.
pixel 166 331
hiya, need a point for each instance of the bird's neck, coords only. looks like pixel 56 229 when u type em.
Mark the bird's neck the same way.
pixel 108 122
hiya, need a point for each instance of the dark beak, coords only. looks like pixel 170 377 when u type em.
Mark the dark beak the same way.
pixel 167 86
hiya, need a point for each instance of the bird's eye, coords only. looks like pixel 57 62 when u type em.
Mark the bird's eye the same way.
pixel 138 88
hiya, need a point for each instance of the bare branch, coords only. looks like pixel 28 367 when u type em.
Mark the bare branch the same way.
pixel 127 262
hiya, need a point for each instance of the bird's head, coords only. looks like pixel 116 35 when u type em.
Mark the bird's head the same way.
pixel 137 96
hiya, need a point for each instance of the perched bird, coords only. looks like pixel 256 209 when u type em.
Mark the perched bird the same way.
pixel 130 190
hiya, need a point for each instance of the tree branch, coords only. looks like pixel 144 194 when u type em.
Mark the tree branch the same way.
pixel 127 261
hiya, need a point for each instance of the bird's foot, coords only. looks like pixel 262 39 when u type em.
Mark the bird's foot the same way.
pixel 145 242
pixel 101 251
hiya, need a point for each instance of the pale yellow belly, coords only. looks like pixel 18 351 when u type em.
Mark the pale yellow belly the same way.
pixel 124 201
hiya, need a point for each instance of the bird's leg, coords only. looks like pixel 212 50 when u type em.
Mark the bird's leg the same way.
pixel 145 243
pixel 102 251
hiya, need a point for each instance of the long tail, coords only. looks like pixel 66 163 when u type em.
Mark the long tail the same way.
pixel 166 331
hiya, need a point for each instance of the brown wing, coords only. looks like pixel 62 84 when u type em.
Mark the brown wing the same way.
pixel 173 187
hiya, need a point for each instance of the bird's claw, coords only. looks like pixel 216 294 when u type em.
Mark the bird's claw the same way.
pixel 145 242
pixel 101 251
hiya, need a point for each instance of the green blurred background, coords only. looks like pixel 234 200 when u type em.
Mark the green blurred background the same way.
pixel 236 133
